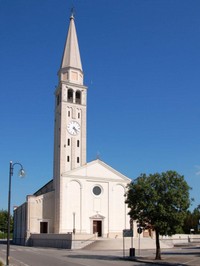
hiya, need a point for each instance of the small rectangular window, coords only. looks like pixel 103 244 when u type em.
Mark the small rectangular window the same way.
pixel 68 158
pixel 68 113
pixel 68 142
pixel 78 143
pixel 79 115
pixel 77 159
pixel 58 99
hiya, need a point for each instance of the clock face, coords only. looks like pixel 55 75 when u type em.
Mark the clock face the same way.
pixel 73 128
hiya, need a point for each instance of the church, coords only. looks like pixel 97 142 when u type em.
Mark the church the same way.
pixel 83 198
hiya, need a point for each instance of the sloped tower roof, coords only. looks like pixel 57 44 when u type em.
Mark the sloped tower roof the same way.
pixel 71 55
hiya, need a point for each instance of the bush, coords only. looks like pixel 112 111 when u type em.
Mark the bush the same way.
pixel 3 235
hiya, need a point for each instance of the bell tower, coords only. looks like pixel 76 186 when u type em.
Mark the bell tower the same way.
pixel 70 117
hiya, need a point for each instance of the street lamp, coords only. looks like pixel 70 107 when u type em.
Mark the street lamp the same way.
pixel 21 174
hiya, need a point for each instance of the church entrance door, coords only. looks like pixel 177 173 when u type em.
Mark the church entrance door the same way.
pixel 97 227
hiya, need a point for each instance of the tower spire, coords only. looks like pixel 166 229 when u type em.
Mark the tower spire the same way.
pixel 71 55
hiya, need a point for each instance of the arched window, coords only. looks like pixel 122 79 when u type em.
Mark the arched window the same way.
pixel 70 95
pixel 78 97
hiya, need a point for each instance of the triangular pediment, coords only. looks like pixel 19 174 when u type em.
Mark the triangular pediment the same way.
pixel 97 216
pixel 99 170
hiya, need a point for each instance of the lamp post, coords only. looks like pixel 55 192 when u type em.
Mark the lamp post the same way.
pixel 21 174
pixel 74 222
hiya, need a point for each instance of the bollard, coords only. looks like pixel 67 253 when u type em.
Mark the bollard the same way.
pixel 132 252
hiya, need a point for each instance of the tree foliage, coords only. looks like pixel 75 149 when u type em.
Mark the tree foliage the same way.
pixel 159 201
pixel 192 221
pixel 4 221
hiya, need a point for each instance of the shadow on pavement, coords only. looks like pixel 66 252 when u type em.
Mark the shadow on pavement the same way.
pixel 192 248
pixel 181 253
pixel 144 261
pixel 113 258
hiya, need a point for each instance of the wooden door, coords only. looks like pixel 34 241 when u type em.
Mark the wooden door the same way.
pixel 97 227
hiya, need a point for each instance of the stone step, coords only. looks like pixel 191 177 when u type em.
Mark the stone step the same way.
pixel 117 244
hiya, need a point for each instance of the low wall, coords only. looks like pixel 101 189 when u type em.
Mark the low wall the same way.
pixel 19 241
pixel 51 240
pixel 181 238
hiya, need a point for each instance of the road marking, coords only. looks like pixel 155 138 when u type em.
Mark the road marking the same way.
pixel 18 261
pixel 186 262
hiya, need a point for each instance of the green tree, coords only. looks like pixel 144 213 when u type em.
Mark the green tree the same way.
pixel 196 218
pixel 192 221
pixel 4 221
pixel 159 201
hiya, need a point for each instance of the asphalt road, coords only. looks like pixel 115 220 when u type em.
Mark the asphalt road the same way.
pixel 32 256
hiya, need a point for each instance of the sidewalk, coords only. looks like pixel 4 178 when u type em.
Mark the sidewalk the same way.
pixel 182 255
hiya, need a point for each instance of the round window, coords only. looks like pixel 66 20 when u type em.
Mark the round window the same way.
pixel 96 190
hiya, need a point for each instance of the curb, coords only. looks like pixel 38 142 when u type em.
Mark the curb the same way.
pixel 151 261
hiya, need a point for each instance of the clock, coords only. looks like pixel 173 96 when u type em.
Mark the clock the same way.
pixel 73 128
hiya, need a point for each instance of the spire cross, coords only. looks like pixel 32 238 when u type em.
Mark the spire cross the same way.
pixel 72 12
pixel 98 155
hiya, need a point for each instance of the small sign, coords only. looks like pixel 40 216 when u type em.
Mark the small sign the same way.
pixel 139 230
pixel 127 233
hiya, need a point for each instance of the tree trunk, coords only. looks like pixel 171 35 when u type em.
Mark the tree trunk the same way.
pixel 158 255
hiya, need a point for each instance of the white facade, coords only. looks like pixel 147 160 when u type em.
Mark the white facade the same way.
pixel 84 198
pixel 94 202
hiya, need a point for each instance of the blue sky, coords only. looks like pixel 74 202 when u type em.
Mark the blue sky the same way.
pixel 141 61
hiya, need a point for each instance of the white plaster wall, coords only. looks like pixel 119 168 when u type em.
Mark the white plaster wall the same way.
pixel 97 204
pixel 20 224
pixel 41 208
pixel 71 205
pixel 118 211
pixel 79 204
